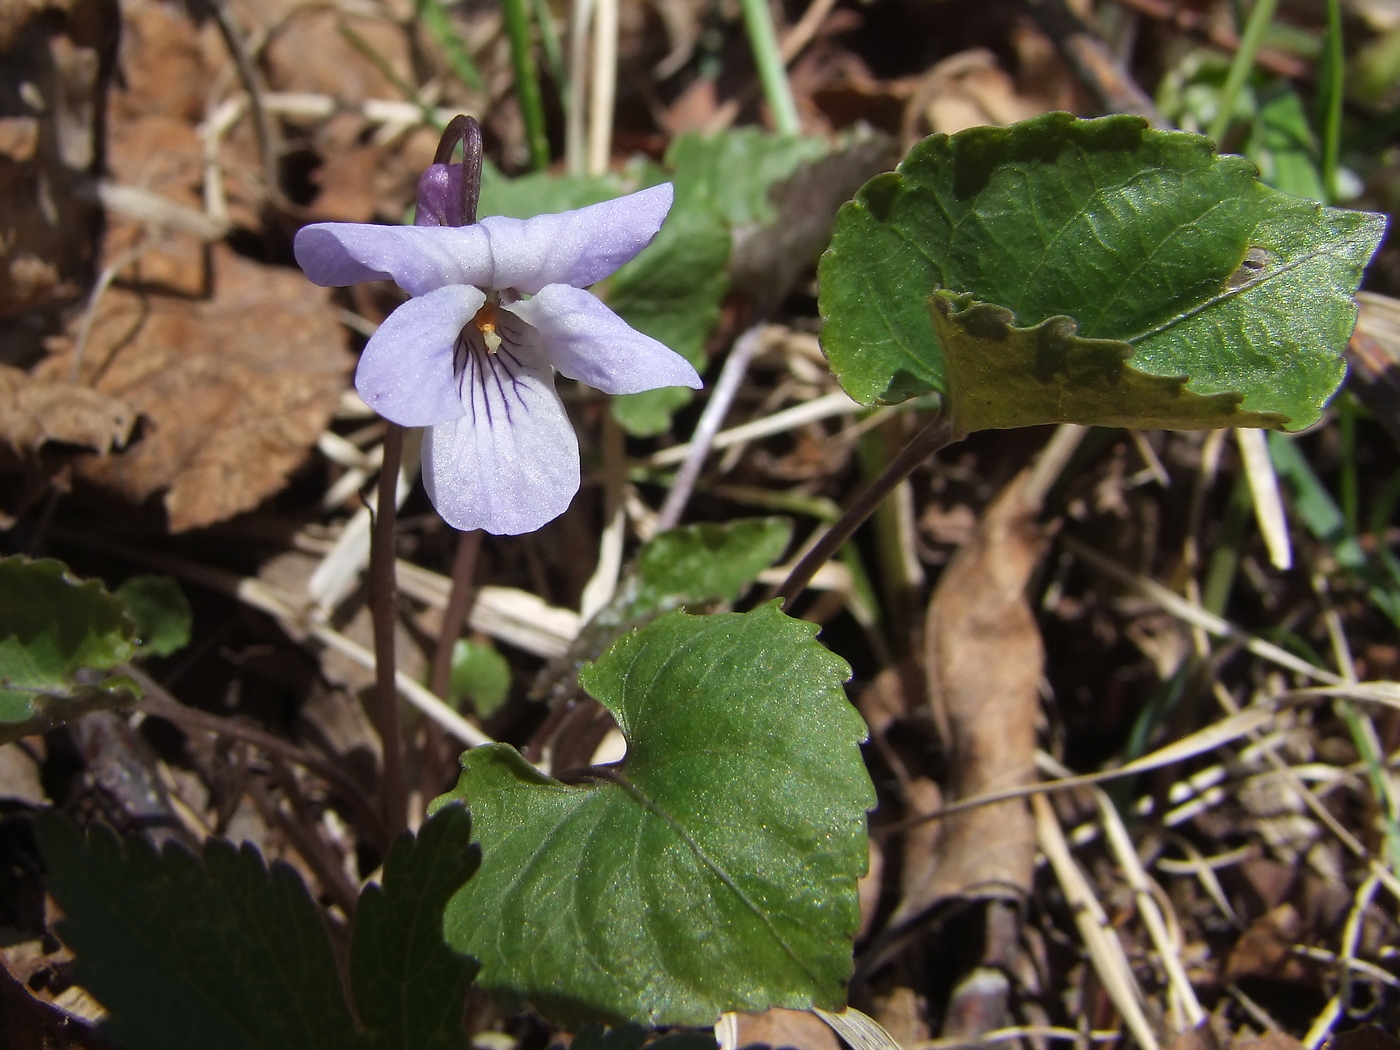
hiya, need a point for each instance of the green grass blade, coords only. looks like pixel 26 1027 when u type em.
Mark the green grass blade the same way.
pixel 435 19
pixel 1333 88
pixel 1250 41
pixel 758 20
pixel 527 80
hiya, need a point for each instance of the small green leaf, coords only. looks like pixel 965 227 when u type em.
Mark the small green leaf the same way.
pixel 541 193
pixel 1099 230
pixel 215 952
pixel 161 611
pixel 480 676
pixel 1282 144
pixel 714 869
pixel 409 986
pixel 56 632
pixel 648 412
pixel 738 169
pixel 691 565
pixel 698 563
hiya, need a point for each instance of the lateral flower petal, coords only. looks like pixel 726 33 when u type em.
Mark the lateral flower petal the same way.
pixel 406 372
pixel 575 247
pixel 510 465
pixel 419 259
pixel 587 341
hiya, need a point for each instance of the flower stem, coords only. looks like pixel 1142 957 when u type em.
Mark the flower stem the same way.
pixel 467 131
pixel 459 602
pixel 384 610
pixel 937 435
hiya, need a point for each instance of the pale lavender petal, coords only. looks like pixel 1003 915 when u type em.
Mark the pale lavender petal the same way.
pixel 509 465
pixel 585 340
pixel 406 373
pixel 575 247
pixel 418 259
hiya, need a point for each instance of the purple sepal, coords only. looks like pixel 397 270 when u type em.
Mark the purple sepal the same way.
pixel 440 196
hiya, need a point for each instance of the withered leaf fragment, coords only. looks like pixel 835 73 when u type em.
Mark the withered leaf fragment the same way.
pixel 983 657
pixel 34 412
pixel 233 390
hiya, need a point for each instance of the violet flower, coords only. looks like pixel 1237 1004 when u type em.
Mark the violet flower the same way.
pixel 497 307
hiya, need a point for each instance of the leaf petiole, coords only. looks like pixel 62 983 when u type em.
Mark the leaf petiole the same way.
pixel 937 435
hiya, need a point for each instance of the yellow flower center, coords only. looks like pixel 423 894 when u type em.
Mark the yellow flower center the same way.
pixel 485 321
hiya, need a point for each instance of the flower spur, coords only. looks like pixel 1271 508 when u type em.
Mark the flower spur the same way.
pixel 498 306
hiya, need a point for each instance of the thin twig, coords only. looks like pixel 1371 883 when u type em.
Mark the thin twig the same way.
pixel 1094 62
pixel 836 403
pixel 518 618
pixel 1194 614
pixel 1263 487
pixel 306 842
pixel 575 141
pixel 99 289
pixel 160 703
pixel 800 35
pixel 603 90
pixel 937 435
pixel 268 149
pixel 1186 1008
pixel 384 609
pixel 736 366
pixel 1100 939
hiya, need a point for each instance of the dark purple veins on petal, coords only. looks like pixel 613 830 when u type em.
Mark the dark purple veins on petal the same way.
pixel 496 377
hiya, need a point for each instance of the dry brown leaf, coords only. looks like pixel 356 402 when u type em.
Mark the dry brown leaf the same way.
pixel 966 90
pixel 34 412
pixel 234 390
pixel 1266 949
pixel 318 51
pixel 983 659
pixel 779 1028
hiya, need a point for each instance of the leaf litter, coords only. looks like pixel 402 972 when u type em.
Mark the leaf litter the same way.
pixel 166 358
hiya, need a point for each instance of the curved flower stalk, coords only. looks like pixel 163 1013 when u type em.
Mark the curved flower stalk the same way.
pixel 498 306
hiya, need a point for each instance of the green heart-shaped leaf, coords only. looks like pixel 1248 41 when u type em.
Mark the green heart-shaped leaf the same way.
pixel 714 869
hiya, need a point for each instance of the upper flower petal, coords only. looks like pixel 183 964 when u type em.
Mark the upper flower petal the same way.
pixel 406 371
pixel 587 341
pixel 419 259
pixel 511 463
pixel 575 247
